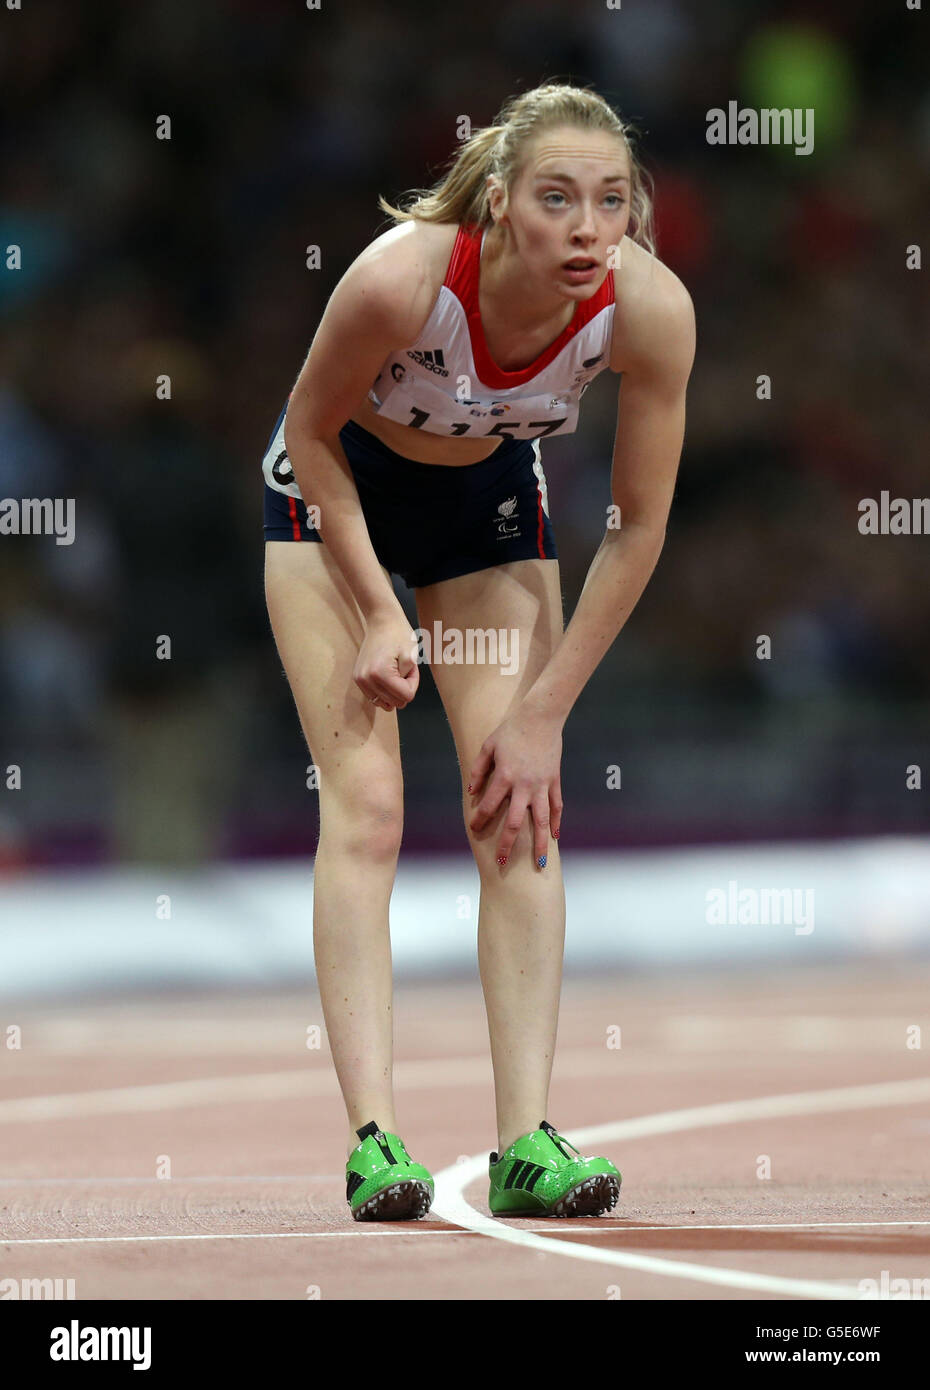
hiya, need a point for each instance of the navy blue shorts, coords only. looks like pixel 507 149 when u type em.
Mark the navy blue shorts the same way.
pixel 428 521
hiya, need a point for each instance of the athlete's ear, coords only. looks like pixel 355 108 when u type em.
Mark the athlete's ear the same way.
pixel 497 196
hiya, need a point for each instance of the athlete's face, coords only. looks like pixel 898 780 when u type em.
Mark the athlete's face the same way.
pixel 571 203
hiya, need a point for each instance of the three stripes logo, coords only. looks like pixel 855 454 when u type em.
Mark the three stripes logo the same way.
pixel 524 1175
pixel 433 361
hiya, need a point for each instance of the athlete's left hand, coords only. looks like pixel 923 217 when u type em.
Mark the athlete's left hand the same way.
pixel 525 752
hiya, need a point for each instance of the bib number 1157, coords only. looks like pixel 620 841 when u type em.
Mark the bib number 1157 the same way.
pixel 503 428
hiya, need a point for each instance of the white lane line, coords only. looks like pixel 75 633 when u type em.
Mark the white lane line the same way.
pixel 212 1178
pixel 605 1228
pixel 250 1035
pixel 170 1095
pixel 436 1072
pixel 220 1235
pixel 451 1205
pixel 787 1032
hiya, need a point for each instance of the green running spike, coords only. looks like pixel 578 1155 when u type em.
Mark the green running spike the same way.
pixel 542 1174
pixel 382 1181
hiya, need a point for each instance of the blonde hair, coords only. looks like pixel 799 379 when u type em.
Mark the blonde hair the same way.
pixel 461 195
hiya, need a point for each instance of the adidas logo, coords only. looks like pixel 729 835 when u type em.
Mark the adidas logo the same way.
pixel 524 1175
pixel 432 361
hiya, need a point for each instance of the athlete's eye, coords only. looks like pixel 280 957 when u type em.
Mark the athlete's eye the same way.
pixel 553 194
pixel 620 200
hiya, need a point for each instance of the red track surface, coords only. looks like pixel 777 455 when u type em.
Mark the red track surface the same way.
pixel 256 1166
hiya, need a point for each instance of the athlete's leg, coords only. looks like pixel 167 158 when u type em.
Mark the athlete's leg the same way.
pixel 521 921
pixel 318 628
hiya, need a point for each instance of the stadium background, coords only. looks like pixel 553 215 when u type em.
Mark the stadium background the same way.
pixel 187 256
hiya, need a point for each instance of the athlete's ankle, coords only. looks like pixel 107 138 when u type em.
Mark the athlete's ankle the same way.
pixel 503 1147
pixel 354 1141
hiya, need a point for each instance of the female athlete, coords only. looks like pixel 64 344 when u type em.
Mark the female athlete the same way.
pixel 409 445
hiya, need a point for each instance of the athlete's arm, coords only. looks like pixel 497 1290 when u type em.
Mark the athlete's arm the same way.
pixel 366 319
pixel 656 340
pixel 372 311
pixel 656 337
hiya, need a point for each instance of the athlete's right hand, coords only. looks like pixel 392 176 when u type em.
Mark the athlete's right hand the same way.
pixel 386 670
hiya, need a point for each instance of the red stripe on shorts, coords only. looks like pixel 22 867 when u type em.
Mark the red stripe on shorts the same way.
pixel 292 508
pixel 539 523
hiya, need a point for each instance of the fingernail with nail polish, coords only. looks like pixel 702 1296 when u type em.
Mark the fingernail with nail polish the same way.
pixel 541 862
pixel 555 834
pixel 469 786
pixel 502 859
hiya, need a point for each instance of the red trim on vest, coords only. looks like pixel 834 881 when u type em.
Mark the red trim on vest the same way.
pixel 462 280
pixel 292 508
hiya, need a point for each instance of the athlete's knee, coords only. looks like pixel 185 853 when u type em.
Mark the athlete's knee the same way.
pixel 367 828
pixel 484 842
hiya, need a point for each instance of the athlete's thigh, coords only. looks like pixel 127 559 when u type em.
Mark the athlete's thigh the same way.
pixel 523 600
pixel 318 628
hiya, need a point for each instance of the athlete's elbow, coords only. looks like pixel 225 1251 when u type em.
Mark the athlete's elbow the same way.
pixel 303 427
pixel 647 531
pixel 653 539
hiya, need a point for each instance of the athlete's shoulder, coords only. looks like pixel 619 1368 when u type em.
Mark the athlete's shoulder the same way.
pixel 654 313
pixel 401 271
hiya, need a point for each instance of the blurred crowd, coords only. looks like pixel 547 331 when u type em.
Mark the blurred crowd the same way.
pixel 185 257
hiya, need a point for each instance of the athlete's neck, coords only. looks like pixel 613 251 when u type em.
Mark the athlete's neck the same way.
pixel 508 295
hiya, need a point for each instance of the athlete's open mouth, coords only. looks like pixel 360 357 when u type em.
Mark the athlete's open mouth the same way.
pixel 580 263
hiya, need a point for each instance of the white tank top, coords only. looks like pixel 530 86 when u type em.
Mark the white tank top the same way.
pixel 448 384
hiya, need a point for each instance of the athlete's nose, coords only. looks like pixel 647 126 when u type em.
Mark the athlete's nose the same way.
pixel 586 231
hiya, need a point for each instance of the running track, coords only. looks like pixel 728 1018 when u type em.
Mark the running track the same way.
pixel 719 1080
